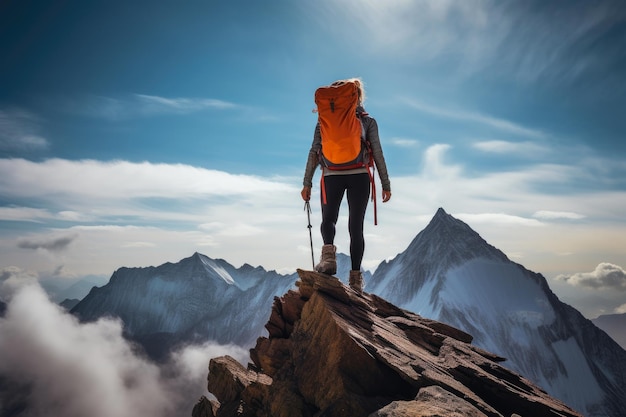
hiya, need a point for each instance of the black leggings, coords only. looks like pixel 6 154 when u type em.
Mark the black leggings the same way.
pixel 358 191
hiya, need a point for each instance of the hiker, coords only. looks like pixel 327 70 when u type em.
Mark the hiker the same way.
pixel 353 179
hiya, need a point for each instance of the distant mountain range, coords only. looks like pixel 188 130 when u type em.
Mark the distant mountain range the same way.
pixel 448 273
pixel 60 289
pixel 194 300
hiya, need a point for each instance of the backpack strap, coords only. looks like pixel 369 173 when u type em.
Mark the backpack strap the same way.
pixel 323 187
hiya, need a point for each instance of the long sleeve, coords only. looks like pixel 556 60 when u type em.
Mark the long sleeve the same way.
pixel 313 159
pixel 371 134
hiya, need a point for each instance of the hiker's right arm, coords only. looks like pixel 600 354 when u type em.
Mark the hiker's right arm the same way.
pixel 313 159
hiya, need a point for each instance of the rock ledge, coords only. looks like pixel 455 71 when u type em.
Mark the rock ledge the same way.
pixel 332 352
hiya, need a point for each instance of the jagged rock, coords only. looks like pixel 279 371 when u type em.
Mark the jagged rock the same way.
pixel 332 352
pixel 431 401
pixel 205 408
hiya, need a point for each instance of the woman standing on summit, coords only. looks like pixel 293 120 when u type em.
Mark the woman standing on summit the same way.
pixel 352 178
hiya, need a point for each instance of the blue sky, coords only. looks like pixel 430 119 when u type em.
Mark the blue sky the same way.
pixel 134 133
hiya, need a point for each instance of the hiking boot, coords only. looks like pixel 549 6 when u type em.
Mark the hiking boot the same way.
pixel 356 281
pixel 328 260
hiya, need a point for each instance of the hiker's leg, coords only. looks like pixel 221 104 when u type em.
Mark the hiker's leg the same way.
pixel 358 195
pixel 335 189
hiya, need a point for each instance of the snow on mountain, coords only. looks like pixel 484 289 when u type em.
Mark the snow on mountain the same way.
pixel 450 274
pixel 196 299
pixel 614 325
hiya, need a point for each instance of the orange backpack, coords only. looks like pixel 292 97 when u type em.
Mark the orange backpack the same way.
pixel 344 145
pixel 343 139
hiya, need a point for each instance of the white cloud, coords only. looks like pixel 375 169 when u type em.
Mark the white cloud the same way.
pixel 606 276
pixel 13 278
pixel 57 357
pixel 434 165
pixel 511 148
pixel 621 309
pixel 497 219
pixel 403 142
pixel 239 229
pixel 554 215
pixel 62 179
pixel 139 245
pixel 29 214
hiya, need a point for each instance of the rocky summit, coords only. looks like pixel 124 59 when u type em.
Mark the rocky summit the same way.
pixel 333 352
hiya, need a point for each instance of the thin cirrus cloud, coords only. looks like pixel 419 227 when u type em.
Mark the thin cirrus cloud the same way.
pixel 403 142
pixel 142 105
pixel 18 213
pixel 430 29
pixel 498 218
pixel 19 131
pixel 510 148
pixel 519 39
pixel 157 105
pixel 477 118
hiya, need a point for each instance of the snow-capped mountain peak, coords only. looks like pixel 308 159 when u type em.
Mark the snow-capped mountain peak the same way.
pixel 451 239
pixel 197 298
pixel 450 274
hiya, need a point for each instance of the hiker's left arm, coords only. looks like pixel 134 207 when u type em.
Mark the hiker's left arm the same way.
pixel 313 158
pixel 379 158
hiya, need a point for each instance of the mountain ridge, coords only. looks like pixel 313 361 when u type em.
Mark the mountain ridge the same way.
pixel 448 273
pixel 195 299
pixel 613 325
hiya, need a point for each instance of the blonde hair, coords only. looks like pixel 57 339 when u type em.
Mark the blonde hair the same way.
pixel 359 83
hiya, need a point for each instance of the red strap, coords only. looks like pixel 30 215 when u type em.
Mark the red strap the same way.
pixel 371 174
pixel 323 188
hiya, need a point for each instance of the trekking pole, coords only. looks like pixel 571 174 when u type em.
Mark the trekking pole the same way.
pixel 307 207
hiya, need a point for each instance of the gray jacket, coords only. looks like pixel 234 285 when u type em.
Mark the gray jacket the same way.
pixel 371 135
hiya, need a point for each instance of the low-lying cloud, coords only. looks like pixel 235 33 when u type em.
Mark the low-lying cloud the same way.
pixel 75 370
pixel 606 276
pixel 54 244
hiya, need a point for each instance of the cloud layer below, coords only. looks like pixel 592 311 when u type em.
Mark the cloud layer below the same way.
pixel 75 370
